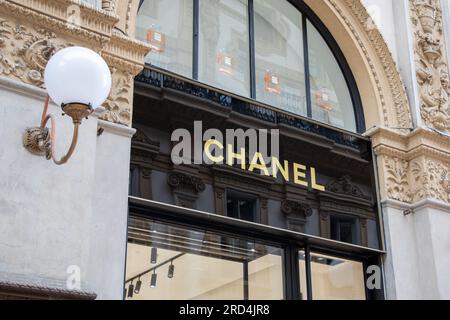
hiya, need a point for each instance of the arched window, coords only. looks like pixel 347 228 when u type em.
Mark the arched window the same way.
pixel 267 50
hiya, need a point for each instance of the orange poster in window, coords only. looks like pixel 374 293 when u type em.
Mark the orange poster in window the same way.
pixel 225 63
pixel 157 40
pixel 272 83
pixel 323 99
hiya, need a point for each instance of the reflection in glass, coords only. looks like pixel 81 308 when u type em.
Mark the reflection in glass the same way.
pixel 331 99
pixel 280 78
pixel 333 278
pixel 224 53
pixel 302 271
pixel 193 265
pixel 167 26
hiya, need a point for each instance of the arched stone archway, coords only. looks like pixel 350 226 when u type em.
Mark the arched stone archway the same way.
pixel 383 95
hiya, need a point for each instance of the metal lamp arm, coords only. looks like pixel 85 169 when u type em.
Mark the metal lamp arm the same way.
pixel 50 152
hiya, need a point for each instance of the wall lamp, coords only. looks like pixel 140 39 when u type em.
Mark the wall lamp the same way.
pixel 78 80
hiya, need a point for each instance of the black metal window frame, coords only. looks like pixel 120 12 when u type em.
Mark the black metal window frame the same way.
pixel 307 15
pixel 290 242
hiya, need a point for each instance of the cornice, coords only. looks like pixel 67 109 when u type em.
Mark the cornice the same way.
pixel 420 142
pixel 125 53
pixel 94 25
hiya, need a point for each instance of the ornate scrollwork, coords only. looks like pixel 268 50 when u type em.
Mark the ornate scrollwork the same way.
pixel 118 104
pixel 24 51
pixel 180 180
pixel 431 63
pixel 397 179
pixel 296 208
pixel 344 185
pixel 430 180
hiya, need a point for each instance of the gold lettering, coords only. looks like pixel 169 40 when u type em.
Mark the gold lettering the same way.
pixel 314 181
pixel 300 174
pixel 276 166
pixel 258 163
pixel 238 156
pixel 210 143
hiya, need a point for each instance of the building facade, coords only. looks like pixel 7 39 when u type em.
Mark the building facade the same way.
pixel 326 124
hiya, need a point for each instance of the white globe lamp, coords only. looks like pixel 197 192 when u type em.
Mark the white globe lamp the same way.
pixel 78 80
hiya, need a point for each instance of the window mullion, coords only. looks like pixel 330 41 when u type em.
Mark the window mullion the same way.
pixel 306 64
pixel 308 273
pixel 251 24
pixel 195 43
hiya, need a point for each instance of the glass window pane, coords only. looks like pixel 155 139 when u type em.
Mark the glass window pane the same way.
pixel 280 78
pixel 336 278
pixel 224 45
pixel 330 96
pixel 179 263
pixel 168 27
pixel 265 274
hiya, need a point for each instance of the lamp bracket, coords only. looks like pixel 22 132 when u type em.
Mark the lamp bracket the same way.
pixel 37 141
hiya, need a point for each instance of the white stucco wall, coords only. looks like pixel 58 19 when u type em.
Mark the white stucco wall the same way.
pixel 52 217
pixel 418 250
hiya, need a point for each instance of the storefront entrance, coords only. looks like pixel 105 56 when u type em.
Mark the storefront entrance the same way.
pixel 197 256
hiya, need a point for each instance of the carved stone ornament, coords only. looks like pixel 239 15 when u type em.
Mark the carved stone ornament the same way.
pixel 431 63
pixel 25 51
pixel 393 98
pixel 31 31
pixel 397 179
pixel 430 180
pixel 37 141
pixel 295 208
pixel 178 180
pixel 418 179
pixel 344 185
pixel 119 103
pixel 143 149
pixel 414 166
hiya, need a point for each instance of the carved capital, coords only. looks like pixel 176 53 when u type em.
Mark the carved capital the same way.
pixel 296 209
pixel 345 186
pixel 178 180
pixel 412 167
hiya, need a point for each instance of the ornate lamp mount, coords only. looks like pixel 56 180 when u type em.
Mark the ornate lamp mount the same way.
pixel 76 78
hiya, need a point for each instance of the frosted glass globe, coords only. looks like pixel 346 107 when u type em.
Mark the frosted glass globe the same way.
pixel 77 75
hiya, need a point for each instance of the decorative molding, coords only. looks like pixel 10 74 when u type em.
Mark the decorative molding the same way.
pixel 430 180
pixel 24 51
pixel 431 63
pixel 345 186
pixel 413 167
pixel 91 26
pixel 109 6
pixel 31 30
pixel 119 103
pixel 116 129
pixel 177 180
pixel 16 291
pixel 356 18
pixel 296 209
pixel 397 183
pixel 143 149
pixel 297 214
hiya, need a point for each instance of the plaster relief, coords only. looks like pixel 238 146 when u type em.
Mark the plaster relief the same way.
pixel 431 63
